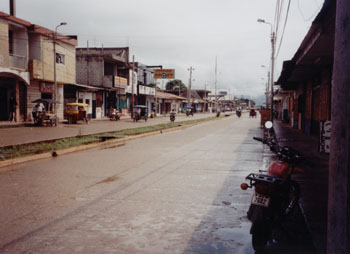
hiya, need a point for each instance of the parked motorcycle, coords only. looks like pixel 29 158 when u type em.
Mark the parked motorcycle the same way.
pixel 275 193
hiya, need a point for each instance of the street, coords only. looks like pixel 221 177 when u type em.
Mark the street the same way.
pixel 176 192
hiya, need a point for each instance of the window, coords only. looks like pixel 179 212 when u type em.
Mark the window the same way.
pixel 60 59
pixel 87 101
pixel 11 42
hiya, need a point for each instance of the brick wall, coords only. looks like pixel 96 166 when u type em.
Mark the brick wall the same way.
pixel 90 70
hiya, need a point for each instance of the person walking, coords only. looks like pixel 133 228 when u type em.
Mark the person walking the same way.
pixel 34 112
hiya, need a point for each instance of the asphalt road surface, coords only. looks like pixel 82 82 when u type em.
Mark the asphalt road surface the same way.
pixel 176 192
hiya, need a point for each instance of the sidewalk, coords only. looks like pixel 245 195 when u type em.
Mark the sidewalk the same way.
pixel 29 133
pixel 314 182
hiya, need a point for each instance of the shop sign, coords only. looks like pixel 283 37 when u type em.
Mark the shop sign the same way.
pixel 46 88
pixel 81 95
pixel 120 82
pixel 146 90
pixel 164 73
pixel 325 136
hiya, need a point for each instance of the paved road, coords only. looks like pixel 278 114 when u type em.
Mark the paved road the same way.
pixel 20 135
pixel 177 192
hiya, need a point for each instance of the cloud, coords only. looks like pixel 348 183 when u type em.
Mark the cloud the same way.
pixel 180 34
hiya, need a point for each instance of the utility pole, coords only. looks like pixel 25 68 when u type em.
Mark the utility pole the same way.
pixel 189 87
pixel 132 86
pixel 338 235
pixel 273 40
pixel 267 89
pixel 216 73
pixel 205 97
pixel 54 69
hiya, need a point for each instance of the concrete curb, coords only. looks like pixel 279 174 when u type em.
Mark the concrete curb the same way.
pixel 105 144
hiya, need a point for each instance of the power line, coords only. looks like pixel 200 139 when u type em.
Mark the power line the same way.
pixel 284 27
pixel 313 15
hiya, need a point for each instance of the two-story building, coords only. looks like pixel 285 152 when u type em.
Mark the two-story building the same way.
pixel 27 66
pixel 106 70
pixel 14 73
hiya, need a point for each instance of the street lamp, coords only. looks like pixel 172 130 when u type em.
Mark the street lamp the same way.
pixel 267 87
pixel 189 86
pixel 54 67
pixel 273 41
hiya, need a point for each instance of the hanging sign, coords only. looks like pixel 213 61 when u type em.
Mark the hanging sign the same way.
pixel 120 82
pixel 164 74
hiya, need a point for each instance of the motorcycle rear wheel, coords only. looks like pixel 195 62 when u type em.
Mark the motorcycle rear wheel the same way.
pixel 260 236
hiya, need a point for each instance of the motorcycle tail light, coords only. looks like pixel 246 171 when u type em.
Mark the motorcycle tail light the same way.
pixel 262 189
pixel 244 186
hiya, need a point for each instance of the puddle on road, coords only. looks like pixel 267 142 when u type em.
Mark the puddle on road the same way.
pixel 108 179
pixel 239 235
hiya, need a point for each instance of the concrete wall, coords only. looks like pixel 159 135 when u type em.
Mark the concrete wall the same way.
pixel 34 46
pixel 44 69
pixel 4 44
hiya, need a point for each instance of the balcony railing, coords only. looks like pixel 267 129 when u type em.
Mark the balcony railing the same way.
pixel 18 61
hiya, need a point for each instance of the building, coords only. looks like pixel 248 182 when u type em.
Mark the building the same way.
pixel 169 102
pixel 104 76
pixel 146 90
pixel 27 65
pixel 306 80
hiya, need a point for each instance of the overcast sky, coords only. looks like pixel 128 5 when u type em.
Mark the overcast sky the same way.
pixel 183 33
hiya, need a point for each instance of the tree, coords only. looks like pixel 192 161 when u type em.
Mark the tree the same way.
pixel 174 85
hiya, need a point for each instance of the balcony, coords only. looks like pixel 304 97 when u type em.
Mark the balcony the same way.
pixel 19 62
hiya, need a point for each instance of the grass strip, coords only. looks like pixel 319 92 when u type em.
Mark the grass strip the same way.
pixel 16 151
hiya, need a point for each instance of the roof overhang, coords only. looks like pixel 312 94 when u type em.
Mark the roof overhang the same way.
pixel 314 53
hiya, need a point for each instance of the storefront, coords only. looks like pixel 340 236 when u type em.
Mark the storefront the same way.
pixel 93 96
pixel 13 97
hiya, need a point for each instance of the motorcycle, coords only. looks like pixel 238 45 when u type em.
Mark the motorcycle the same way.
pixel 114 115
pixel 189 111
pixel 172 116
pixel 238 113
pixel 275 193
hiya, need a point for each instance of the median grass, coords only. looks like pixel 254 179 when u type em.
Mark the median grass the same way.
pixel 11 152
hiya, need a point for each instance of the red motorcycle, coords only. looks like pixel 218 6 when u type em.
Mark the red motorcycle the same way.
pixel 275 193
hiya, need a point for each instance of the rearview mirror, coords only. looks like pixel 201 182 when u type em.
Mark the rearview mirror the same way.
pixel 268 124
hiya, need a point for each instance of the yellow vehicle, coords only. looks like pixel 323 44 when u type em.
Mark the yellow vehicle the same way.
pixel 77 112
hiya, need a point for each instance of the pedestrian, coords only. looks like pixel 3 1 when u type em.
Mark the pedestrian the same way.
pixel 41 107
pixel 12 108
pixel 35 111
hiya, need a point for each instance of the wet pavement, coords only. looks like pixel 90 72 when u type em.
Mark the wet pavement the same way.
pixel 177 192
pixel 313 182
